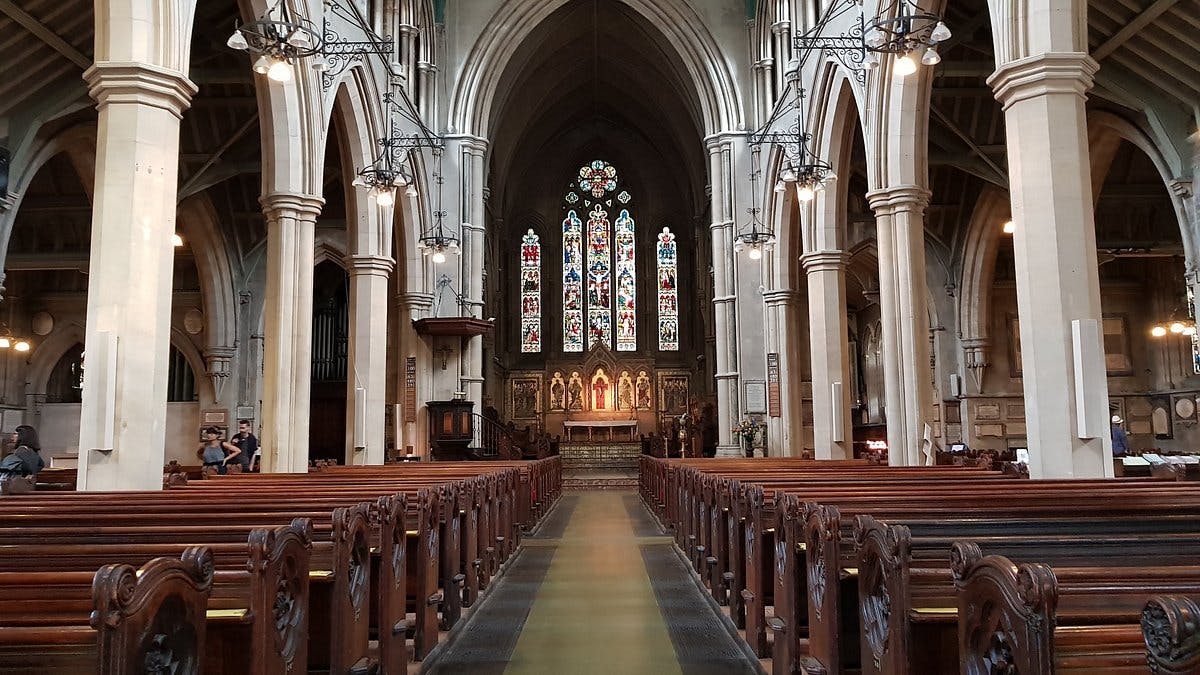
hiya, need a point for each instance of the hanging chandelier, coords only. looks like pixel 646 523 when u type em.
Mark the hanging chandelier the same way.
pixel 754 237
pixel 436 242
pixel 1180 321
pixel 904 29
pixel 381 181
pixel 277 39
pixel 801 167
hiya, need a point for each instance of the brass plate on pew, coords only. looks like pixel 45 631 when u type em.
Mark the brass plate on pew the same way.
pixel 320 574
pixel 939 611
pixel 237 614
pixel 850 572
pixel 802 546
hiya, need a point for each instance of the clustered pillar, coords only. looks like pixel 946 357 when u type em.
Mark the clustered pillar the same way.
pixel 829 350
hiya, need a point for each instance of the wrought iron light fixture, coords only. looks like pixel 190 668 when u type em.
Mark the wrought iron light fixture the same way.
pixel 801 166
pixel 278 38
pixel 282 36
pixel 904 29
pixel 754 237
pixel 386 173
pixel 436 242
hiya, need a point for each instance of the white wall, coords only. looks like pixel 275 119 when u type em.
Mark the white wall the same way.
pixel 58 428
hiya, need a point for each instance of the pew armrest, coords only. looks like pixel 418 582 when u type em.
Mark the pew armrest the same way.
pixel 400 627
pixel 435 599
pixel 777 624
pixel 458 579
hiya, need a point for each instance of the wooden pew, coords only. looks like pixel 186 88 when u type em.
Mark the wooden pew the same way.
pixel 257 618
pixel 1033 619
pixel 1171 632
pixel 114 621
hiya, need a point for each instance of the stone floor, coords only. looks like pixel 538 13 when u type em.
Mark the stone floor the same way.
pixel 598 589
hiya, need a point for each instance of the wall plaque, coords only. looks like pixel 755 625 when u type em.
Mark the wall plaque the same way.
pixel 410 389
pixel 773 406
pixel 987 411
pixel 756 396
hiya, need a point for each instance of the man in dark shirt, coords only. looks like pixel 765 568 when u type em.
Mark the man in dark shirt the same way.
pixel 249 445
pixel 1120 441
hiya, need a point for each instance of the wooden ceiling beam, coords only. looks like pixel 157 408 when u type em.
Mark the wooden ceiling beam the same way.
pixel 1139 22
pixel 41 32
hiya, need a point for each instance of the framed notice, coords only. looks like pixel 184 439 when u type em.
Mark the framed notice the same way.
pixel 756 396
pixel 410 389
pixel 773 406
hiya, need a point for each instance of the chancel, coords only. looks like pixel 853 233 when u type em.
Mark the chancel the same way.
pixel 634 336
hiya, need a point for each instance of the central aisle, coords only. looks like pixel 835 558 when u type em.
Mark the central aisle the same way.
pixel 599 590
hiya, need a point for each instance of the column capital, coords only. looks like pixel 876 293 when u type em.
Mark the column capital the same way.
pixel 781 27
pixel 898 198
pixel 764 63
pixel 1050 73
pixel 139 83
pixel 284 204
pixel 415 300
pixel 782 297
pixel 477 144
pixel 426 67
pixel 407 29
pixel 374 265
pixel 824 261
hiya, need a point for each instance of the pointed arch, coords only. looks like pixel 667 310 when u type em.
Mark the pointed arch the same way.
pixel 720 100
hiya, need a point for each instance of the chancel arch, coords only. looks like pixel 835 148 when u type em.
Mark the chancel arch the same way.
pixel 598 187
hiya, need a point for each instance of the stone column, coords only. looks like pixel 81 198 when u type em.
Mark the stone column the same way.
pixel 1058 287
pixel 413 433
pixel 367 358
pixel 473 268
pixel 724 295
pixel 784 338
pixel 287 341
pixel 900 234
pixel 122 428
pixel 830 353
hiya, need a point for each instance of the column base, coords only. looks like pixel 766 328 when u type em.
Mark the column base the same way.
pixel 730 451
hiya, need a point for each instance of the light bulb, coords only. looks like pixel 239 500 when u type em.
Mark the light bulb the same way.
pixel 805 193
pixel 871 61
pixel 1176 327
pixel 360 181
pixel 237 41
pixel 280 71
pixel 1158 331
pixel 385 198
pixel 788 174
pixel 1009 227
pixel 904 66
pixel 755 253
pixel 931 57
pixel 1189 330
pixel 261 65
pixel 319 63
pixel 940 33
pixel 411 191
pixel 438 257
pixel 176 240
pixel 780 186
pixel 5 343
pixel 21 346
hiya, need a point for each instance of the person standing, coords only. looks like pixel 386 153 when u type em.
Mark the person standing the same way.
pixel 212 451
pixel 1120 440
pixel 247 442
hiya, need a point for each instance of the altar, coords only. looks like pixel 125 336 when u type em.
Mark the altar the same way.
pixel 593 425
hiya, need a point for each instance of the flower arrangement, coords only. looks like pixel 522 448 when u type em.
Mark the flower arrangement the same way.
pixel 749 428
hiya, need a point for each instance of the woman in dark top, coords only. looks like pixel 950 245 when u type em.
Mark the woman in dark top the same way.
pixel 25 460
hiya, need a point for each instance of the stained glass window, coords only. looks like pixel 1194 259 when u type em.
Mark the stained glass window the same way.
pixel 668 294
pixel 599 267
pixel 531 293
pixel 599 262
pixel 626 283
pixel 572 283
